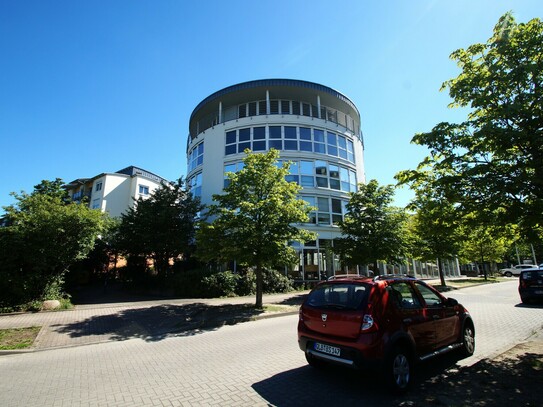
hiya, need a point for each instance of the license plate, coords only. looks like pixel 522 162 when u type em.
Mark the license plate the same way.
pixel 331 350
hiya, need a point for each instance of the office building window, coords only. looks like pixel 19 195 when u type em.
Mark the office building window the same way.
pixel 287 138
pixel 327 210
pixel 196 157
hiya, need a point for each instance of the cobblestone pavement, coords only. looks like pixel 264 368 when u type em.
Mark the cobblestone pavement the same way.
pixel 248 364
pixel 87 324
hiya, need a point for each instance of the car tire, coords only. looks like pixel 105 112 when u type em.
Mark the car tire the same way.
pixel 468 340
pixel 314 362
pixel 508 274
pixel 397 370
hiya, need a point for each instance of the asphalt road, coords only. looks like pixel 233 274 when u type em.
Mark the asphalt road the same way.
pixel 249 364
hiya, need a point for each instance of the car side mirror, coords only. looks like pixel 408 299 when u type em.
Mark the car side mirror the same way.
pixel 451 302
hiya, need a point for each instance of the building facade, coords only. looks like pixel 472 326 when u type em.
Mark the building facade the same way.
pixel 311 125
pixel 115 192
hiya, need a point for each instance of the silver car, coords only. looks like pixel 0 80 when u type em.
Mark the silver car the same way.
pixel 515 270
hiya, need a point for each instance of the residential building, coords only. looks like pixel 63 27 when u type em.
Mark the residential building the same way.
pixel 115 192
pixel 313 126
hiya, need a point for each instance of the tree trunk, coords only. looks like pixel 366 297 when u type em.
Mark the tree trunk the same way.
pixel 258 303
pixel 441 273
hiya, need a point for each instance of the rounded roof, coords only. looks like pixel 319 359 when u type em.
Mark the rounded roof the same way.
pixel 278 88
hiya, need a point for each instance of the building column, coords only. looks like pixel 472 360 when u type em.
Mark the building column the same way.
pixel 267 102
pixel 220 112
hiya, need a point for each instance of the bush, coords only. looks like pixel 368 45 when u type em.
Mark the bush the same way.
pixel 246 282
pixel 275 282
pixel 189 284
pixel 222 284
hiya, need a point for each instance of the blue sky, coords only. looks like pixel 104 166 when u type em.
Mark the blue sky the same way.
pixel 95 86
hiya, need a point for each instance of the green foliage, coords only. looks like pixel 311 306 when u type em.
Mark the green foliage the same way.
pixel 493 161
pixel 161 227
pixel 227 283
pixel 485 242
pixel 246 282
pixel 373 229
pixel 44 236
pixel 276 282
pixel 255 218
pixel 222 284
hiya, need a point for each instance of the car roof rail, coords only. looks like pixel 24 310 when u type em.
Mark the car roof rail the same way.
pixel 341 276
pixel 391 276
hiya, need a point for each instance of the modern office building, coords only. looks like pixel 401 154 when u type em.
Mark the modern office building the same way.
pixel 115 192
pixel 313 126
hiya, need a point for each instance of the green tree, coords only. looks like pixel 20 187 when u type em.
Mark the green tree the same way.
pixel 44 236
pixel 161 227
pixel 494 159
pixel 485 242
pixel 255 218
pixel 437 226
pixel 373 229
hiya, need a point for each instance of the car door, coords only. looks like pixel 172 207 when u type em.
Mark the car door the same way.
pixel 444 314
pixel 411 315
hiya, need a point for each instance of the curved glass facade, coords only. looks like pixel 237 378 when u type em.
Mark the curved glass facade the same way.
pixel 315 128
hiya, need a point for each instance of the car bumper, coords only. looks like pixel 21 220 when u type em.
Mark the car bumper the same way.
pixel 350 356
pixel 530 294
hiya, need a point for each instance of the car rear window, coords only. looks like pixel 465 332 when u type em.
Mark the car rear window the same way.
pixel 338 296
pixel 531 275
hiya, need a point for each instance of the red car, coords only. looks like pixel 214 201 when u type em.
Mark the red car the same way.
pixel 386 323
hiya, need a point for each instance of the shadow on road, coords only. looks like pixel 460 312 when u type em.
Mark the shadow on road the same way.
pixel 511 381
pixel 161 321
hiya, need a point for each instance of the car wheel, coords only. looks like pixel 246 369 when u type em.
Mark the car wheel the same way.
pixel 397 370
pixel 313 361
pixel 468 340
pixel 508 274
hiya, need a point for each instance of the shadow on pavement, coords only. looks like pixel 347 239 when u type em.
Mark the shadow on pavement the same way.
pixel 113 292
pixel 159 322
pixel 510 381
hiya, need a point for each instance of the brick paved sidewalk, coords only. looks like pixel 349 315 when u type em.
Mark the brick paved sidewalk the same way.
pixel 149 320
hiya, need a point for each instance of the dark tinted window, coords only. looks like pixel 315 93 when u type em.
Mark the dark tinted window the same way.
pixel 342 296
pixel 429 296
pixel 259 133
pixel 531 275
pixel 404 295
pixel 275 131
pixel 230 137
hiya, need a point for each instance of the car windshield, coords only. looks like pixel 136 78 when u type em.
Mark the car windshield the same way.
pixel 532 275
pixel 338 296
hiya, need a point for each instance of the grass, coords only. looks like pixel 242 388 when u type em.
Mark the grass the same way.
pixel 464 282
pixel 278 308
pixel 18 338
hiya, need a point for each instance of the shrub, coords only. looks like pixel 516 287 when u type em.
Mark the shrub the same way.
pixel 275 282
pixel 246 282
pixel 222 284
pixel 189 284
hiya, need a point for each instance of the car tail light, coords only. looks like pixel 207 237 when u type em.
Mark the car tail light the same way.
pixel 368 324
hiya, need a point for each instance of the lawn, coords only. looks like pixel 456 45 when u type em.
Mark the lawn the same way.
pixel 18 338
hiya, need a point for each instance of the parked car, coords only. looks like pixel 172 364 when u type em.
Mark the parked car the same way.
pixel 515 270
pixel 387 323
pixel 530 285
